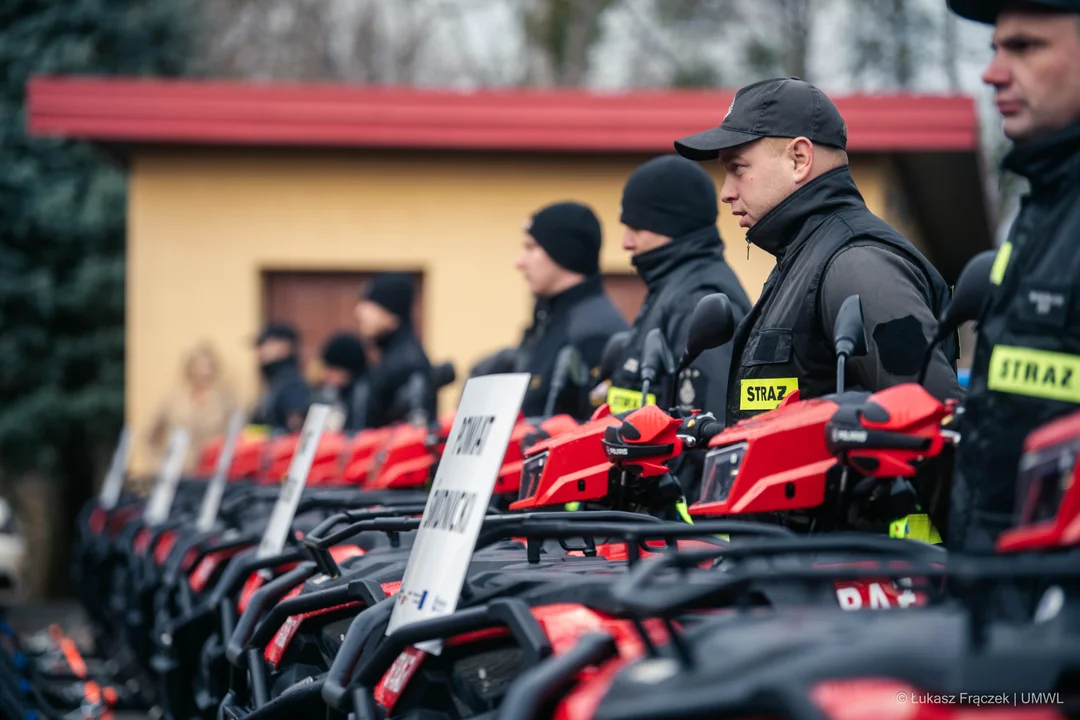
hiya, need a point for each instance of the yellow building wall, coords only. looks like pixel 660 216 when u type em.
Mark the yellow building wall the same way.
pixel 204 224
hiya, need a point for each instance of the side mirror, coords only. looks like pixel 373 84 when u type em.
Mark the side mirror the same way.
pixel 849 331
pixel 711 325
pixel 497 363
pixel 569 368
pixel 971 290
pixel 656 356
pixel 443 375
pixel 409 399
pixel 969 294
pixel 613 352
pixel 849 336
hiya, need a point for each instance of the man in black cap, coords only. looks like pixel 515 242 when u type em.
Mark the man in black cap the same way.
pixel 285 401
pixel 384 318
pixel 344 385
pixel 669 211
pixel 560 260
pixel 1026 368
pixel 783 146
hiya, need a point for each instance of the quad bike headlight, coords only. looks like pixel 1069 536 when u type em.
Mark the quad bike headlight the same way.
pixel 531 470
pixel 721 468
pixel 1045 475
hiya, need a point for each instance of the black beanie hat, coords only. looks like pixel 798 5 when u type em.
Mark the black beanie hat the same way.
pixel 670 196
pixel 344 350
pixel 570 234
pixel 392 291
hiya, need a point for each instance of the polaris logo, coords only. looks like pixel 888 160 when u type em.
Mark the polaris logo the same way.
pixel 618 451
pixel 849 436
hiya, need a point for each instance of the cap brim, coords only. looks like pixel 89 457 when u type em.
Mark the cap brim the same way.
pixel 984 11
pixel 707 145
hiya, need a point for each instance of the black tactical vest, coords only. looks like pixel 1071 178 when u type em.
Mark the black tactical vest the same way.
pixel 1026 369
pixel 782 346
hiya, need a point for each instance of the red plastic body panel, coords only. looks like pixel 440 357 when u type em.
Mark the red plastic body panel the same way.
pixel 1064 529
pixel 248 456
pixel 164 546
pixel 361 454
pixel 509 479
pixel 325 468
pixel 285 634
pixel 206 568
pixel 785 445
pixel 563 624
pixel 404 461
pixel 574 457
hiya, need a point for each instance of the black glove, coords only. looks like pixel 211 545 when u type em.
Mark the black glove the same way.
pixel 696 431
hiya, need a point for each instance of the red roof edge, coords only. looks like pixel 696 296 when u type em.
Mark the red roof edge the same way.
pixel 133 111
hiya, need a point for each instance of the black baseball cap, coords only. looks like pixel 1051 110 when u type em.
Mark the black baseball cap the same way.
pixel 784 108
pixel 277 331
pixel 986 11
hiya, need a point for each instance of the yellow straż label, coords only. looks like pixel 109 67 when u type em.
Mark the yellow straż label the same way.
pixel 1037 373
pixel 1001 263
pixel 765 394
pixel 621 400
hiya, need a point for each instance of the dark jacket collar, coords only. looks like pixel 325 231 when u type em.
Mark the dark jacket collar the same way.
pixel 281 368
pixel 656 265
pixel 592 285
pixel 1049 161
pixel 403 333
pixel 777 231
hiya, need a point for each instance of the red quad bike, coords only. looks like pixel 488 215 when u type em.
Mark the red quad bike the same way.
pixel 417 453
pixel 850 460
pixel 278 631
pixel 256 601
pixel 967 658
pixel 579 466
pixel 511 615
pixel 288 646
pixel 248 457
pixel 286 638
pixel 187 589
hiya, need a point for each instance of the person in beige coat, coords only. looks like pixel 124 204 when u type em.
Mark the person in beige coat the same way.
pixel 202 403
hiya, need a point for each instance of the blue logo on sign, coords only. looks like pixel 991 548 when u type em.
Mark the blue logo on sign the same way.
pixel 423 596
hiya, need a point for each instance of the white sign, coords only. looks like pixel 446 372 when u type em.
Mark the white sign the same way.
pixel 458 501
pixel 114 481
pixel 160 502
pixel 215 489
pixel 281 519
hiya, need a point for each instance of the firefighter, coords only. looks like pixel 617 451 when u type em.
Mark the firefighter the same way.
pixel 285 401
pixel 384 321
pixel 560 260
pixel 669 210
pixel 1026 367
pixel 344 385
pixel 782 145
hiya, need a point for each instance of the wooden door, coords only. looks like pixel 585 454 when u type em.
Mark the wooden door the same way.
pixel 319 304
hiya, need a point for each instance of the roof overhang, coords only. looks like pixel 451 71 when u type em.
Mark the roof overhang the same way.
pixel 935 137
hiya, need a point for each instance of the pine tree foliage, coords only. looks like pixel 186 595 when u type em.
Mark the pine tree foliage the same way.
pixel 62 219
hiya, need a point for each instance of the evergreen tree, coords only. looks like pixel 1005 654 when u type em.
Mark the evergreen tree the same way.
pixel 62 213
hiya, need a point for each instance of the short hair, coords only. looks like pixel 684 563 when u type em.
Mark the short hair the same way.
pixel 837 157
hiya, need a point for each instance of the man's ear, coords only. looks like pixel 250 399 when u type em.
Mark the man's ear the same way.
pixel 801 156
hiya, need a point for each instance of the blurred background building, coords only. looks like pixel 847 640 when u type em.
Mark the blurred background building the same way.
pixel 250 204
